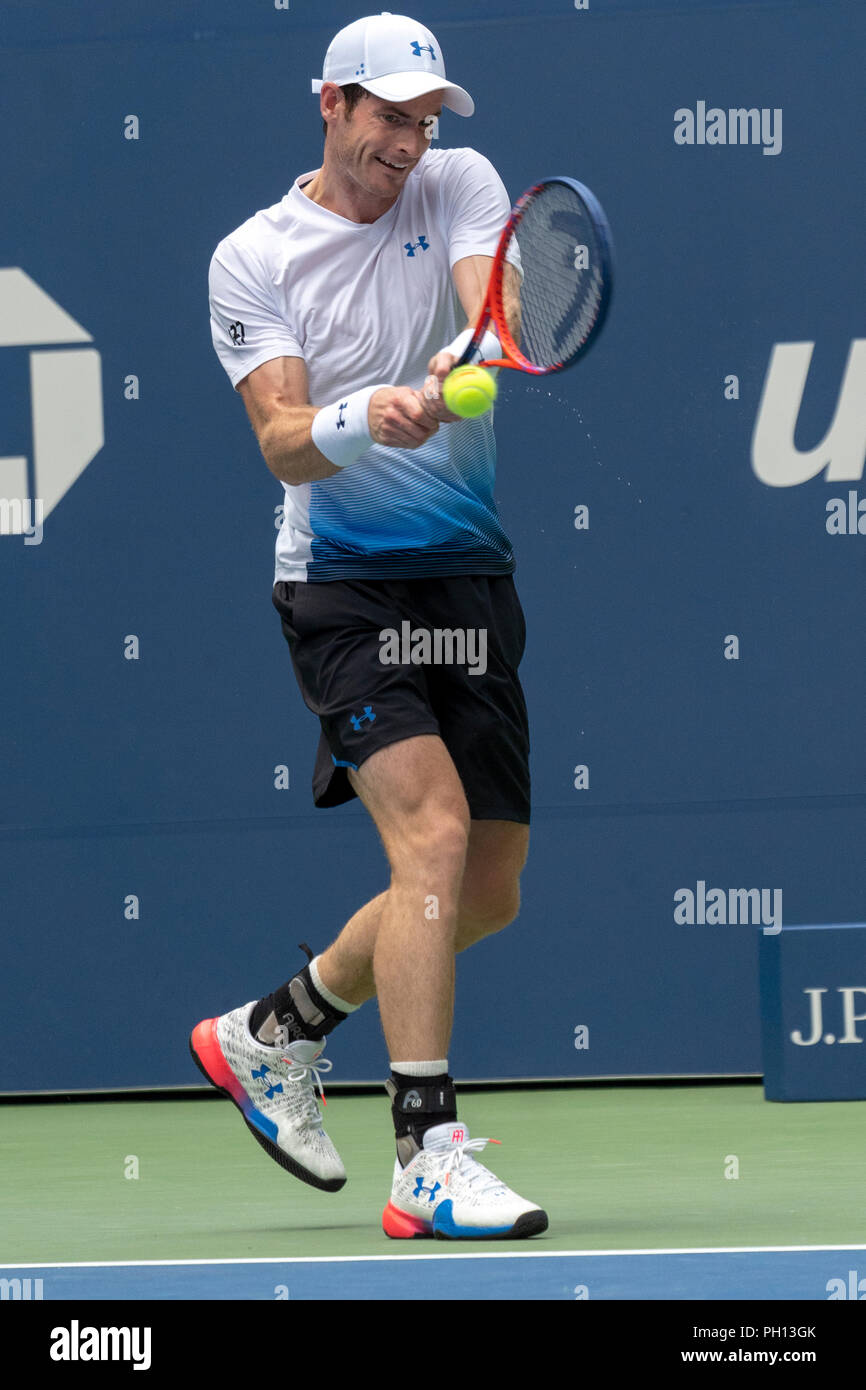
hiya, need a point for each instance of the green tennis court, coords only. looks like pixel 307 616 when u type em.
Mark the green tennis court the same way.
pixel 618 1168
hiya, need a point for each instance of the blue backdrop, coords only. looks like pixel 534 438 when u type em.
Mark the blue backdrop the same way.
pixel 695 635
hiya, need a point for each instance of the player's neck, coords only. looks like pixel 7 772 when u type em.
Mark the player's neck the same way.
pixel 330 189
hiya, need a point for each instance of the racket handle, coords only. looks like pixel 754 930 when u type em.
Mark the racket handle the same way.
pixel 461 348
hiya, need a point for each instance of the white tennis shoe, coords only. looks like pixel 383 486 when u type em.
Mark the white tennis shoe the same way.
pixel 274 1089
pixel 445 1192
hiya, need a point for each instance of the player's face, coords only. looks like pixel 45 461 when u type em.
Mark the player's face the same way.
pixel 380 143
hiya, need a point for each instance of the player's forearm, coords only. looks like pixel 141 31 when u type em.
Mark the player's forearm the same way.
pixel 394 417
pixel 288 448
pixel 511 285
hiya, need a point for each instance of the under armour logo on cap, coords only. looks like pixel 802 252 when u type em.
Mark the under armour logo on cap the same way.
pixel 382 52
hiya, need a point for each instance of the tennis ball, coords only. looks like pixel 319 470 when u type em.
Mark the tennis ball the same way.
pixel 469 391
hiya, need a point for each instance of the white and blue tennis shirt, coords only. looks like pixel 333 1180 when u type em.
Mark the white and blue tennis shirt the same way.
pixel 363 303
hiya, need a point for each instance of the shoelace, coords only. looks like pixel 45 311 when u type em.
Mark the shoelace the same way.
pixel 308 1073
pixel 474 1173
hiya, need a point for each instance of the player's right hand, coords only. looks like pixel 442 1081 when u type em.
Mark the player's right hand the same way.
pixel 397 418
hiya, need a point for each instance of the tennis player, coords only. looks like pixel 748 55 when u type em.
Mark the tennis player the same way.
pixel 337 313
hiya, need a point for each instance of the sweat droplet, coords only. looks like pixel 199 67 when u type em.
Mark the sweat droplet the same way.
pixel 575 411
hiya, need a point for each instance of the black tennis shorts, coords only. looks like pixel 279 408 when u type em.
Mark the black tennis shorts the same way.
pixel 381 660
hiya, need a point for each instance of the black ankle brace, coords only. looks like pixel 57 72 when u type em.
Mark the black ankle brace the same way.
pixel 417 1107
pixel 299 1008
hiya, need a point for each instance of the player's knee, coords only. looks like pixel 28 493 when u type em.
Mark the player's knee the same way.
pixel 488 915
pixel 436 842
pixel 445 840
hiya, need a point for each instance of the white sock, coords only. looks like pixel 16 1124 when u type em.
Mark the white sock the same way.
pixel 421 1068
pixel 328 994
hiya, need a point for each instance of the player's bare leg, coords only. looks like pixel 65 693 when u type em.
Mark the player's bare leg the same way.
pixel 489 901
pixel 402 947
pixel 413 792
pixel 417 802
pixel 339 980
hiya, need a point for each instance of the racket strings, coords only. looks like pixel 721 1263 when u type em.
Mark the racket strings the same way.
pixel 563 275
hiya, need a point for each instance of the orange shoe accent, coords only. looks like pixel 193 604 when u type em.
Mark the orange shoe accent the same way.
pixel 400 1226
pixel 205 1045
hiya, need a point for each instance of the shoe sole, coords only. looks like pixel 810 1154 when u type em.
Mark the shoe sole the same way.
pixel 291 1165
pixel 399 1225
pixel 531 1223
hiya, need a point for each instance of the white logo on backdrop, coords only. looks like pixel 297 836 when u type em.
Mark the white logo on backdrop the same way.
pixel 65 399
pixel 842 451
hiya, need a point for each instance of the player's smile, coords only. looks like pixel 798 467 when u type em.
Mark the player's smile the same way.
pixel 395 167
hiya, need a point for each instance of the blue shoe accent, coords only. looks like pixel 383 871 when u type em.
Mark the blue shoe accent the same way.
pixel 444 1223
pixel 262 1124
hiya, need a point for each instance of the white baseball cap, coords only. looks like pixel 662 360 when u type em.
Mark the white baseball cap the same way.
pixel 393 57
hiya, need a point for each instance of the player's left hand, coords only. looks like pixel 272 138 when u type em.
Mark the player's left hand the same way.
pixel 438 368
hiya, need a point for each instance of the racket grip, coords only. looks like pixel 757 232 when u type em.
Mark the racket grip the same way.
pixel 488 347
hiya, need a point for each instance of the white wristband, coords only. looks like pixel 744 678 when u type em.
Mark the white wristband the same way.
pixel 488 348
pixel 341 431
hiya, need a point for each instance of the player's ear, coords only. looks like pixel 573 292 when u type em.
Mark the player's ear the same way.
pixel 330 98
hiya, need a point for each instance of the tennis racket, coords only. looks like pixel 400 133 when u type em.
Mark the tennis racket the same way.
pixel 557 237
